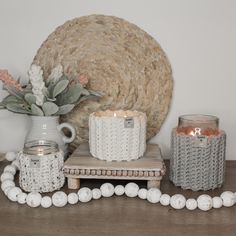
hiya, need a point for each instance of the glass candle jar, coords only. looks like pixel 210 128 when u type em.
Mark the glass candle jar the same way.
pixel 196 125
pixel 40 147
pixel 117 135
pixel 41 163
pixel 197 153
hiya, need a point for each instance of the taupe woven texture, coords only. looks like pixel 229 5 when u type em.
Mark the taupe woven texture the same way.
pixel 120 60
pixel 46 176
pixel 197 168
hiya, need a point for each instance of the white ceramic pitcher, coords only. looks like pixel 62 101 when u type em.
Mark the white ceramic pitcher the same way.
pixel 48 128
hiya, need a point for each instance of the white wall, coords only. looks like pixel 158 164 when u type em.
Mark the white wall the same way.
pixel 199 37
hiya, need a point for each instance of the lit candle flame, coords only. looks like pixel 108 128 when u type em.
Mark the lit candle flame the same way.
pixel 192 133
pixel 114 114
pixel 40 151
pixel 197 131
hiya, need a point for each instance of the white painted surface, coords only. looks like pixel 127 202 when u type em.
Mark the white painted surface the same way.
pixel 198 36
pixel 13 129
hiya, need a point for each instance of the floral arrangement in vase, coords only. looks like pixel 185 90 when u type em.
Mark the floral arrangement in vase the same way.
pixel 52 96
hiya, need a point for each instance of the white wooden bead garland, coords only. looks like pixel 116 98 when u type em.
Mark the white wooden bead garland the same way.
pixel 119 190
pixel 96 193
pixel 73 198
pixel 10 156
pixel 46 202
pixel 191 204
pixel 59 199
pixel 33 199
pixel 142 193
pixel 165 199
pixel 13 193
pixel 85 194
pixel 178 201
pixel 21 198
pixel 217 202
pixel 204 202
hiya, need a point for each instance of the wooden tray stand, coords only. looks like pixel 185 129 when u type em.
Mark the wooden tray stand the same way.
pixel 82 165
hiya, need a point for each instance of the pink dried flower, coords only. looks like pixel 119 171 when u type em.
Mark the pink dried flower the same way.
pixel 8 80
pixel 83 80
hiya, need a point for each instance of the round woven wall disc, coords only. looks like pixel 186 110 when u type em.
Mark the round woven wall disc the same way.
pixel 122 61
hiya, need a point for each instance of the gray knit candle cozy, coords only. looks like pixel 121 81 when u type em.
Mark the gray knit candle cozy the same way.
pixel 197 162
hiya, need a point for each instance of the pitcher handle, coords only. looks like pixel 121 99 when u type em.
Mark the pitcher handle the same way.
pixel 72 130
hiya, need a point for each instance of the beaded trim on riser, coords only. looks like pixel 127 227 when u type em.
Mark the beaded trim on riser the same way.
pixel 118 173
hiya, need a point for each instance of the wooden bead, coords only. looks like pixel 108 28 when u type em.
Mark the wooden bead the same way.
pixel 104 172
pixel 87 172
pixel 157 173
pixel 99 172
pixel 135 173
pixel 119 172
pixel 108 172
pixel 124 173
pixel 140 173
pixel 145 173
pixel 82 172
pixel 151 173
pixel 77 172
pixel 130 173
pixel 131 189
pixel 93 172
pixel 107 190
pixel 114 173
pixel 72 172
